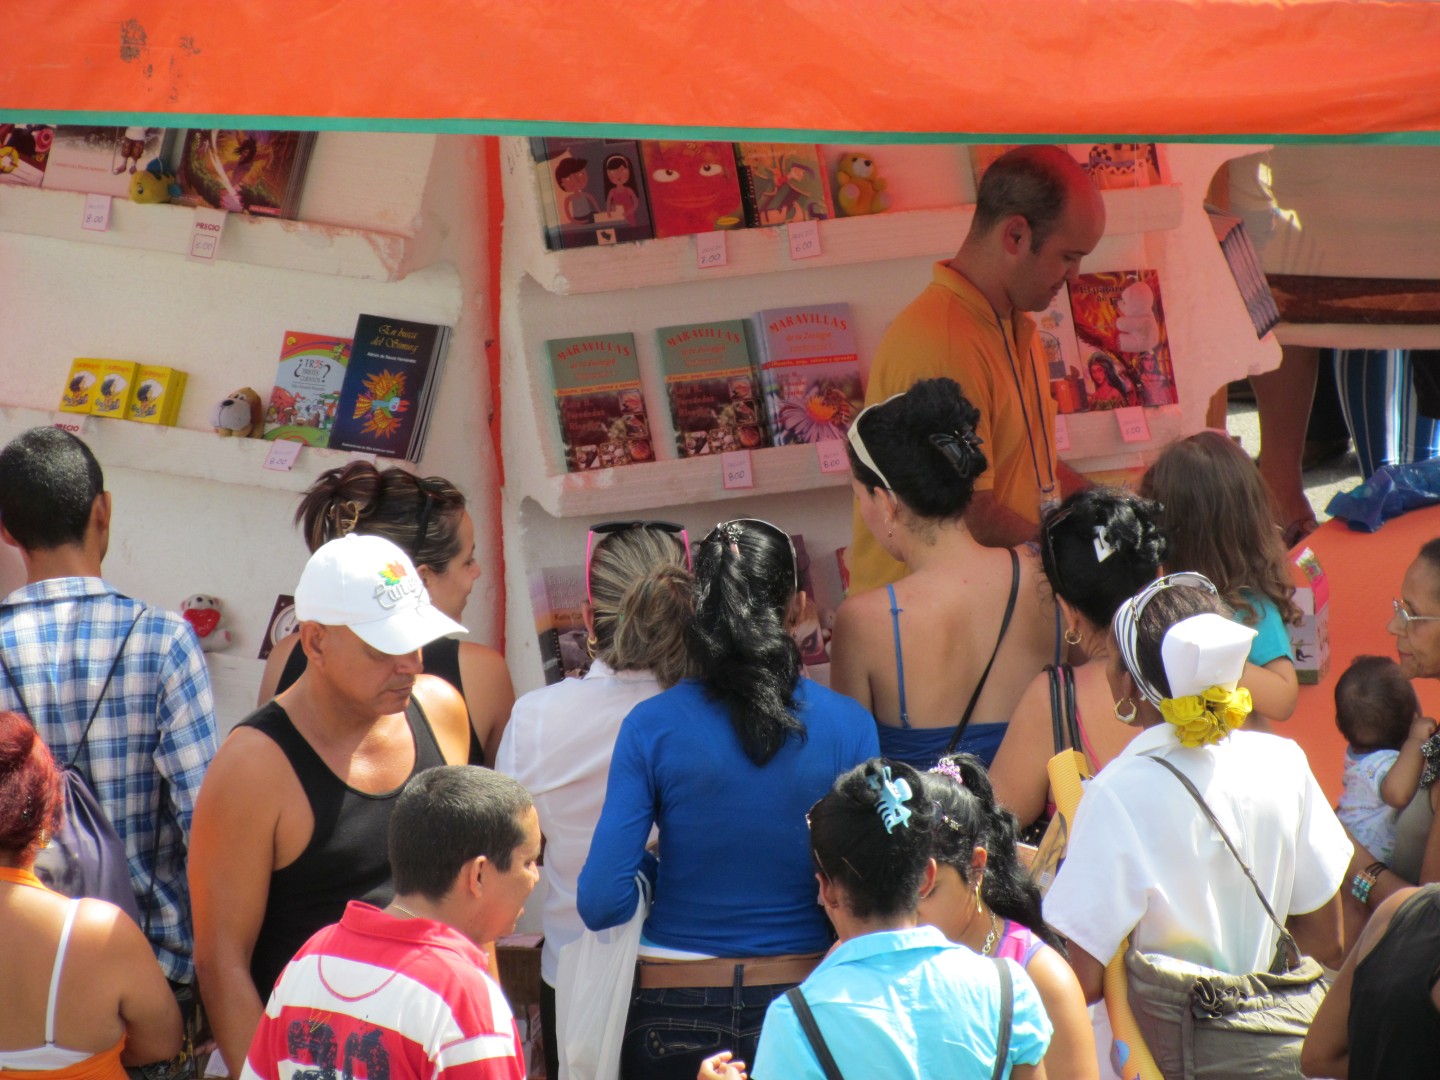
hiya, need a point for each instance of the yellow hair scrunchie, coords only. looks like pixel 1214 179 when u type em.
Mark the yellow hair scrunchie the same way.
pixel 1206 718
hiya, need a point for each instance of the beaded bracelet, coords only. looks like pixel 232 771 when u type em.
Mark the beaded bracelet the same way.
pixel 1364 881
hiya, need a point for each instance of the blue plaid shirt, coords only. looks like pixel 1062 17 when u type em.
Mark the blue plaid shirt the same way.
pixel 156 721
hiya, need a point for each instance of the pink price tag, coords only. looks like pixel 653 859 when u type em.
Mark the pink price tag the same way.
pixel 282 455
pixel 1133 425
pixel 205 233
pixel 1062 433
pixel 710 250
pixel 96 217
pixel 804 239
pixel 833 458
pixel 735 470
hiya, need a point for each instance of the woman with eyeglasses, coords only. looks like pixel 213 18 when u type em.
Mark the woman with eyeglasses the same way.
pixel 942 655
pixel 726 764
pixel 1098 548
pixel 1145 863
pixel 638 598
pixel 426 518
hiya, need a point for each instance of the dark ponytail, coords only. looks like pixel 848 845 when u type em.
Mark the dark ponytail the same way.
pixel 879 869
pixel 970 818
pixel 738 641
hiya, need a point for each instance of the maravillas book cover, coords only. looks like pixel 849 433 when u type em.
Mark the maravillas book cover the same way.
pixel 389 383
pixel 810 372
pixel 598 401
pixel 1120 330
pixel 711 383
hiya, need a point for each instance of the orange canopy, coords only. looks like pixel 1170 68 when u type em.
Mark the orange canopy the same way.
pixel 1159 68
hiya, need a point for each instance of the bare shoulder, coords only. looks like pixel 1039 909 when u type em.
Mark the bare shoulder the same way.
pixel 448 716
pixel 484 663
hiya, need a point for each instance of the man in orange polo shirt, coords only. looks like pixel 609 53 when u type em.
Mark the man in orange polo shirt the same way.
pixel 1037 215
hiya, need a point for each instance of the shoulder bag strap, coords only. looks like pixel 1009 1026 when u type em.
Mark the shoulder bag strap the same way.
pixel 1007 1006
pixel 1057 708
pixel 1072 713
pixel 94 709
pixel 1286 940
pixel 984 675
pixel 812 1032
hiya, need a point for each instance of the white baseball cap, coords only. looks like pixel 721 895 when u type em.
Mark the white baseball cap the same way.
pixel 370 585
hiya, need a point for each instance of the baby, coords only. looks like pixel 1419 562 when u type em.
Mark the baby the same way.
pixel 1378 713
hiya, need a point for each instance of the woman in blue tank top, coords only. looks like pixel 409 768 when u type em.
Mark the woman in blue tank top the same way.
pixel 941 656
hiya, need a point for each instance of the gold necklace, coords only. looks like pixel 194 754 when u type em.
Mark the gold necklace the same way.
pixel 992 936
pixel 412 914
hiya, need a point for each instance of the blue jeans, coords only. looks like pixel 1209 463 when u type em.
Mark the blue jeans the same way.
pixel 668 1033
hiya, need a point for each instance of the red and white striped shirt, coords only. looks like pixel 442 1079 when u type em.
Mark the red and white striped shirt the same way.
pixel 381 998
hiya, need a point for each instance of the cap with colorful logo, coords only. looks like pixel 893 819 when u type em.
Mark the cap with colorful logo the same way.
pixel 369 585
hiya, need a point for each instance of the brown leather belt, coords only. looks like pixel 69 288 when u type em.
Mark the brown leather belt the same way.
pixel 757 971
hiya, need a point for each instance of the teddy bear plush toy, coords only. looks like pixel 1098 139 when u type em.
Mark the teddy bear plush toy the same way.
pixel 858 188
pixel 203 614
pixel 239 415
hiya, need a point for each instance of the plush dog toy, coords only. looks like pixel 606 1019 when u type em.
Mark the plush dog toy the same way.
pixel 203 615
pixel 153 184
pixel 858 188
pixel 240 415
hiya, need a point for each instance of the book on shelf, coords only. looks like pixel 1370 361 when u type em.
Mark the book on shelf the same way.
pixel 308 381
pixel 1244 262
pixel 115 390
pixel 694 186
pixel 809 372
pixel 557 594
pixel 158 394
pixel 809 632
pixel 592 191
pixel 783 182
pixel 80 385
pixel 1120 330
pixel 101 160
pixel 254 172
pixel 598 401
pixel 281 625
pixel 710 381
pixel 1121 165
pixel 24 153
pixel 1056 329
pixel 391 379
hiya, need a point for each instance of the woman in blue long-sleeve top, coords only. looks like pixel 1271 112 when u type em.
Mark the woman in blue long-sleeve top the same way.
pixel 726 764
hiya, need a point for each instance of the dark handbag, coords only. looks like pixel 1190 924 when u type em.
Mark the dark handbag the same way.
pixel 827 1060
pixel 85 856
pixel 1203 1024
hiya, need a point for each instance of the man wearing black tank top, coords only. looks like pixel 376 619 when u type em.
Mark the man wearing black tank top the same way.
pixel 291 820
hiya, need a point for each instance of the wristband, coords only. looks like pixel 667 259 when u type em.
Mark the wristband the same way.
pixel 1364 881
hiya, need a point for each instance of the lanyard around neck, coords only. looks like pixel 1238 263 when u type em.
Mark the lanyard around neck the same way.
pixel 1047 491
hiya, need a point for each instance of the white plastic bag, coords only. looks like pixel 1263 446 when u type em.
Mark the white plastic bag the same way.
pixel 595 979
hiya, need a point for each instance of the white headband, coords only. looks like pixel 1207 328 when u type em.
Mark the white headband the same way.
pixel 1198 652
pixel 852 435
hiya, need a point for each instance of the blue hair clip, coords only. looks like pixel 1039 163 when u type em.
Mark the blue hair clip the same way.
pixel 893 796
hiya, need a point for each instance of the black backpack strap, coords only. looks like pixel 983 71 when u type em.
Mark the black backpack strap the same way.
pixel 812 1032
pixel 984 675
pixel 1007 1008
pixel 1057 708
pixel 1072 712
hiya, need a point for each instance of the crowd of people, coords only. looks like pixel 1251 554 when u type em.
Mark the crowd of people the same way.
pixel 824 880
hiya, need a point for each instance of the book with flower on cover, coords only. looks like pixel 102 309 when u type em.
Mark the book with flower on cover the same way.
pixel 598 401
pixel 390 383
pixel 711 384
pixel 1124 348
pixel 809 372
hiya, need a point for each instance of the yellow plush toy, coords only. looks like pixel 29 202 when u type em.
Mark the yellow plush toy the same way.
pixel 858 189
pixel 153 184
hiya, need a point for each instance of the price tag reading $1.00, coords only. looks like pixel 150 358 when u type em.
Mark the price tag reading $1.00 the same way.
pixel 735 470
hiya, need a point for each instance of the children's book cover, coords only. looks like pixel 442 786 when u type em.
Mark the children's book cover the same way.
pixel 557 595
pixel 783 182
pixel 254 172
pixel 81 385
pixel 158 393
pixel 592 192
pixel 1056 330
pixel 387 385
pixel 307 387
pixel 1120 331
pixel 116 389
pixel 101 160
pixel 711 383
pixel 599 402
pixel 694 186
pixel 24 153
pixel 809 372
pixel 1121 165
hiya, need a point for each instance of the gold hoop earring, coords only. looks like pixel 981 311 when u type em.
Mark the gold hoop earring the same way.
pixel 1126 717
pixel 978 907
pixel 1072 636
pixel 590 643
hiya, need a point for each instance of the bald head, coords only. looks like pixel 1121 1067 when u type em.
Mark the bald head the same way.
pixel 1038 183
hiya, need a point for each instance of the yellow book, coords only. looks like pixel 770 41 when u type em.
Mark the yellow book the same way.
pixel 80 385
pixel 157 394
pixel 116 389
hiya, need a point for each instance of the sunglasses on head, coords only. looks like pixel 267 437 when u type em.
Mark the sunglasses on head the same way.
pixel 609 528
